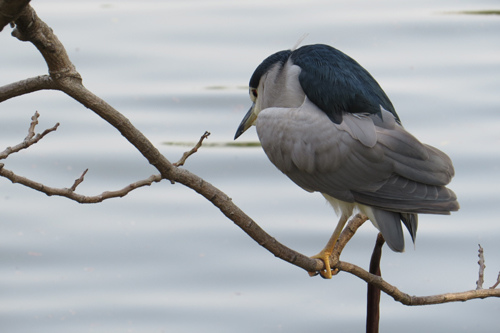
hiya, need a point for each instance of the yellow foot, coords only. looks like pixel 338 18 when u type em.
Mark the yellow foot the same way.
pixel 327 273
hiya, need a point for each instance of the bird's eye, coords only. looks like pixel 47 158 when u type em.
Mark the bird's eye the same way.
pixel 253 94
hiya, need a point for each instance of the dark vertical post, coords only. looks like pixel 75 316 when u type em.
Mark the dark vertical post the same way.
pixel 373 293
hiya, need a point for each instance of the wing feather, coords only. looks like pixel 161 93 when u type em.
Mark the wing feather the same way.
pixel 367 159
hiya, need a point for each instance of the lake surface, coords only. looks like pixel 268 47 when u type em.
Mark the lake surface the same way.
pixel 163 259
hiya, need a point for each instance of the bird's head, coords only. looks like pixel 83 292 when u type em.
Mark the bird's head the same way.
pixel 252 113
pixel 260 91
pixel 330 79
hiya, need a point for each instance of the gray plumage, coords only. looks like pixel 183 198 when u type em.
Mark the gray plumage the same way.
pixel 326 123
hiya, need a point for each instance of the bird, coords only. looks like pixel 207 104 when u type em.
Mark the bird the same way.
pixel 325 122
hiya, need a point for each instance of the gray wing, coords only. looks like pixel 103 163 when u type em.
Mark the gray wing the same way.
pixel 368 159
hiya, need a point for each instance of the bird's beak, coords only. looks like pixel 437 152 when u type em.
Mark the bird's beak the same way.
pixel 247 121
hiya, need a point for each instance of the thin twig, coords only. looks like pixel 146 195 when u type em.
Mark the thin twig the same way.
pixel 69 192
pixel 78 181
pixel 496 283
pixel 482 266
pixel 31 129
pixel 30 139
pixel 192 151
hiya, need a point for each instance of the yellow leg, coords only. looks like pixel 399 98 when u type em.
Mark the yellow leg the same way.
pixel 325 254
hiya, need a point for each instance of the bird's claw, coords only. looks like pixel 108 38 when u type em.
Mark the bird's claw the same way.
pixel 326 273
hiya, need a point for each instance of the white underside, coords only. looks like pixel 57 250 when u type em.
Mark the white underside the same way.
pixel 347 209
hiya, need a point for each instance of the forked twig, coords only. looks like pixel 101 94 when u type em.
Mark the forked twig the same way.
pixel 33 138
pixel 192 151
pixel 71 194
pixel 30 139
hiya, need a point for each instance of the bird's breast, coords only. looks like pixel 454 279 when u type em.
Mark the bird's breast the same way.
pixel 300 138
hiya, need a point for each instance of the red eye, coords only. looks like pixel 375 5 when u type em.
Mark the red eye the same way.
pixel 254 93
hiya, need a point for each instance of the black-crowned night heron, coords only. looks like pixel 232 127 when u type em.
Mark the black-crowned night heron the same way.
pixel 324 121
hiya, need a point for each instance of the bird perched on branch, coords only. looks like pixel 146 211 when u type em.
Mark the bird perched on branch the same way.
pixel 325 122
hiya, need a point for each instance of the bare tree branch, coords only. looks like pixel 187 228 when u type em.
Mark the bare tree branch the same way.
pixel 30 28
pixel 406 299
pixel 64 77
pixel 10 10
pixel 42 82
pixel 31 139
pixel 192 151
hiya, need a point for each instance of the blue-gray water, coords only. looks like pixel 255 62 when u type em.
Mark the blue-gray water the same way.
pixel 163 259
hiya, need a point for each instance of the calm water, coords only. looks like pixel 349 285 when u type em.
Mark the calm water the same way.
pixel 163 259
